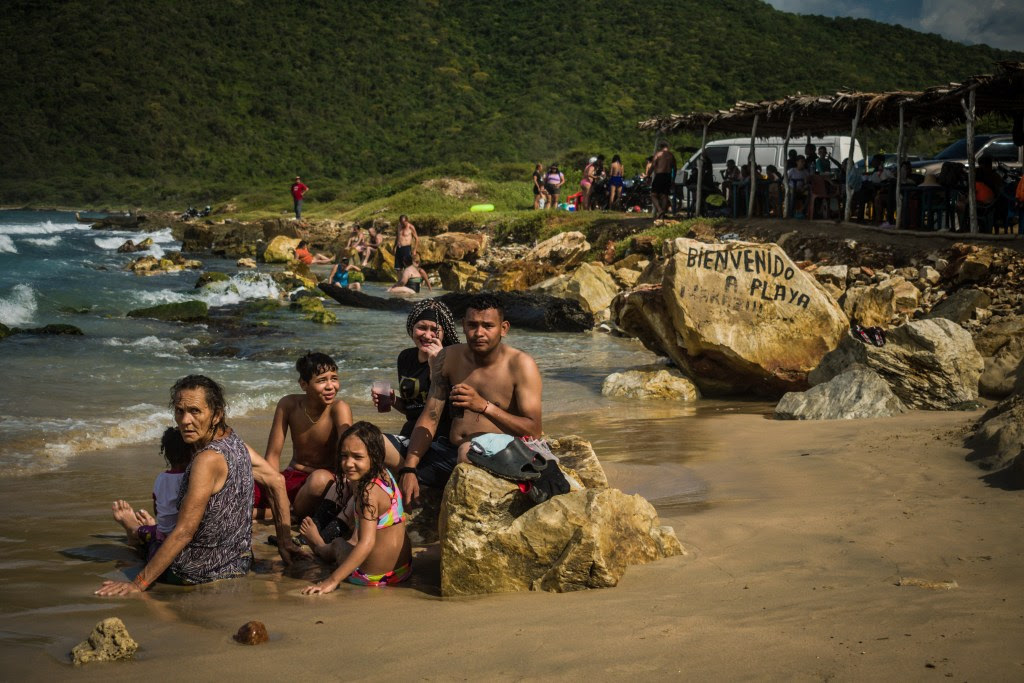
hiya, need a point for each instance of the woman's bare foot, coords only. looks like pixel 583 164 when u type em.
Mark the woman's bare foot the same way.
pixel 144 518
pixel 125 516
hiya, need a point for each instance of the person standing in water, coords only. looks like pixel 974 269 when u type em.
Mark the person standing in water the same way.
pixel 406 243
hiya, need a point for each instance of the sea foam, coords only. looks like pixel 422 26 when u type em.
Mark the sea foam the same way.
pixel 44 241
pixel 44 228
pixel 7 245
pixel 240 287
pixel 19 307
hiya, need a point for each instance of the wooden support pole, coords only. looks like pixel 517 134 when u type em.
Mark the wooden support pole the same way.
pixel 753 169
pixel 700 172
pixel 899 169
pixel 785 171
pixel 849 165
pixel 972 199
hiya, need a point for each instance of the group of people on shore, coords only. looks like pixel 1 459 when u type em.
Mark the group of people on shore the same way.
pixel 359 251
pixel 449 392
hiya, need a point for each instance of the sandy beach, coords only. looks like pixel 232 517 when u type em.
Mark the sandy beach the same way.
pixel 797 541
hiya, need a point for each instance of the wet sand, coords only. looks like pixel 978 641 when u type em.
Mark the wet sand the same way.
pixel 797 535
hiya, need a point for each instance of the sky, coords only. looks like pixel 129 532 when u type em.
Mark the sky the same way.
pixel 998 23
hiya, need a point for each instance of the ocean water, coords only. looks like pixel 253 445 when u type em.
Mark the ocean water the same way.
pixel 66 397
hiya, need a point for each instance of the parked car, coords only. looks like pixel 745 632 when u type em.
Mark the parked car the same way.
pixel 1000 147
pixel 890 162
pixel 766 151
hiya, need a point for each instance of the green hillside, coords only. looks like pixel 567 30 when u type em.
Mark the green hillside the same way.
pixel 153 101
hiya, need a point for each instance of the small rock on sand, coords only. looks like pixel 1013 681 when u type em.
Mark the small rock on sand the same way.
pixel 109 641
pixel 252 633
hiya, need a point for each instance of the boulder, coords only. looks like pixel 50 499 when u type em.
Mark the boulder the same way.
pixel 531 310
pixel 657 383
pixel 451 246
pixel 576 454
pixel 312 308
pixel 565 249
pixel 246 262
pixel 184 311
pixel 210 277
pixel 129 246
pixel 457 276
pixel 833 279
pixel 281 249
pixel 1002 346
pixel 735 317
pixel 55 328
pixel 961 305
pixel 108 642
pixel 854 394
pixel 929 275
pixel 590 284
pixel 877 305
pixel 625 277
pixel 998 437
pixel 493 540
pixel 929 364
pixel 5 331
pixel 519 275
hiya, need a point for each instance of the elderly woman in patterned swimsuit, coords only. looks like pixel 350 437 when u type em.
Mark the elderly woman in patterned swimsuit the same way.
pixel 213 537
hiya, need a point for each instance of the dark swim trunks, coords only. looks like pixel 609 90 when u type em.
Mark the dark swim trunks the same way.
pixel 293 481
pixel 662 183
pixel 615 181
pixel 403 257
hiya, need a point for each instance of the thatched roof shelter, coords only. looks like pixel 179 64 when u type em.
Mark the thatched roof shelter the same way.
pixel 823 114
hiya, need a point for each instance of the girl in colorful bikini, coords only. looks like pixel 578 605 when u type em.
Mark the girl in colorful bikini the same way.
pixel 379 552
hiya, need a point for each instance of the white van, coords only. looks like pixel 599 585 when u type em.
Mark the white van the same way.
pixel 767 151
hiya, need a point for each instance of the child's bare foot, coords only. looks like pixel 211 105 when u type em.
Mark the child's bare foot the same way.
pixel 125 516
pixel 312 534
pixel 144 518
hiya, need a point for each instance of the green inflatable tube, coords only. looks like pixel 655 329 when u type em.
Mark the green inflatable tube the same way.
pixel 482 207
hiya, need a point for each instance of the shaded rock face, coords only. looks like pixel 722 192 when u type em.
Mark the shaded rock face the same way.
pixel 855 394
pixel 252 633
pixel 736 318
pixel 281 249
pixel 576 454
pixel 129 246
pixel 565 249
pixel 961 305
pixel 929 364
pixel 998 439
pixel 108 642
pixel 658 383
pixel 182 312
pixel 1002 346
pixel 589 284
pixel 493 541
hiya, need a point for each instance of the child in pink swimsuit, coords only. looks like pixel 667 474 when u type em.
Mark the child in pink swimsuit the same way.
pixel 379 552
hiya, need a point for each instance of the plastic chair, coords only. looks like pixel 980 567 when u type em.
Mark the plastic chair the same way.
pixel 821 188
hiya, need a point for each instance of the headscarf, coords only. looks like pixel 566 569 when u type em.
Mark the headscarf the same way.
pixel 434 311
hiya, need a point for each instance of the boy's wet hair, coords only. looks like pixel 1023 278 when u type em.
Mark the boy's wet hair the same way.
pixel 176 452
pixel 314 363
pixel 482 302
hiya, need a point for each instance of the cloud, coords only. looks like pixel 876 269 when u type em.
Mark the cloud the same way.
pixel 999 23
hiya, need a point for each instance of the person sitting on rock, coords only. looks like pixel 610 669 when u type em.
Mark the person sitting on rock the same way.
pixel 303 254
pixel 372 244
pixel 345 274
pixel 490 388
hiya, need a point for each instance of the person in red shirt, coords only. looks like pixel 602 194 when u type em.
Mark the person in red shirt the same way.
pixel 303 254
pixel 298 190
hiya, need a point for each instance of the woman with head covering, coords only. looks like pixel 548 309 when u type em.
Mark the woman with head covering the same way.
pixel 431 326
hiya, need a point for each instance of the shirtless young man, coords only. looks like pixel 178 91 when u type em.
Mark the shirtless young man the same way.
pixel 492 388
pixel 662 166
pixel 406 243
pixel 316 419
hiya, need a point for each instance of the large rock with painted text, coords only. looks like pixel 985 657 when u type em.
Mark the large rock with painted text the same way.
pixel 736 317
